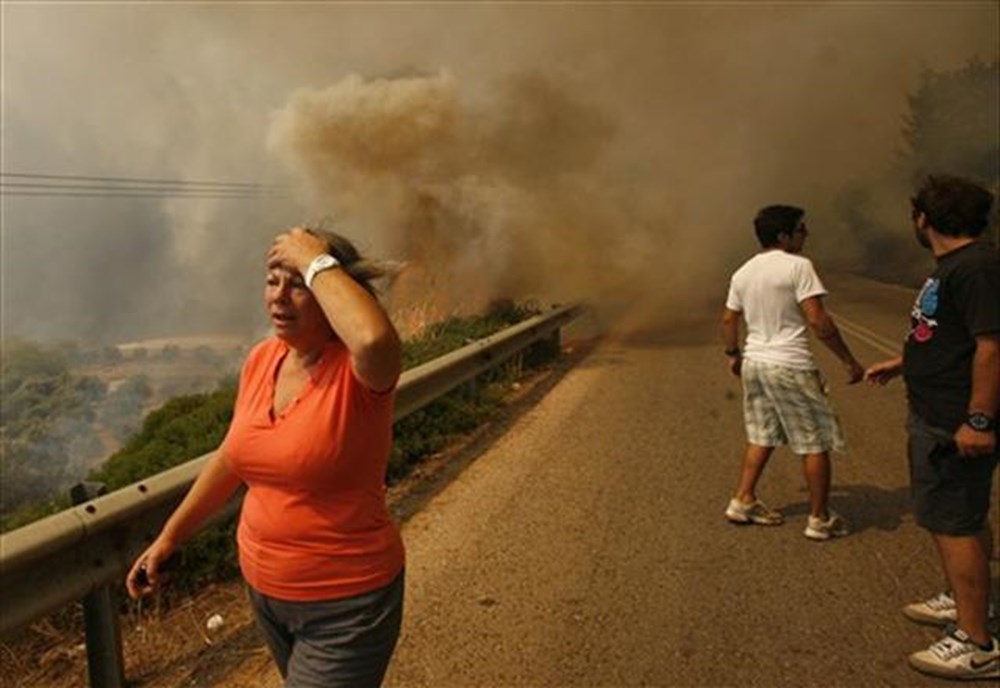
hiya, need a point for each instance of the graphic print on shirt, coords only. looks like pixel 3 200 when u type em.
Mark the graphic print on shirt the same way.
pixel 922 324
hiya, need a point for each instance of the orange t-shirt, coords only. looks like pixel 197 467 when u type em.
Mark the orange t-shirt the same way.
pixel 314 523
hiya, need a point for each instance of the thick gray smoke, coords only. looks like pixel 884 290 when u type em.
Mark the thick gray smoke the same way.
pixel 606 151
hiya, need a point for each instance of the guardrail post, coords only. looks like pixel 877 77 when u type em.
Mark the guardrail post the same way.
pixel 556 339
pixel 105 660
pixel 543 349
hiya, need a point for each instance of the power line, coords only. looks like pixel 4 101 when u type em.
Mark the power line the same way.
pixel 17 186
pixel 136 193
pixel 149 194
pixel 140 180
pixel 86 186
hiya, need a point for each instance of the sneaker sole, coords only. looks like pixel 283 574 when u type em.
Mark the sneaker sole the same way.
pixel 993 623
pixel 927 619
pixel 749 521
pixel 818 536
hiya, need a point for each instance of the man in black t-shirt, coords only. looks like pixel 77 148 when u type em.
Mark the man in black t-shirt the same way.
pixel 951 365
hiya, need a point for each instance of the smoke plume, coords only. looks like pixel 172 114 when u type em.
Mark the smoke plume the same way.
pixel 481 202
pixel 606 151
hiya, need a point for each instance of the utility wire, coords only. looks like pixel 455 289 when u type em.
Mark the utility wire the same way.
pixel 139 180
pixel 134 193
pixel 18 186
pixel 151 194
pixel 76 186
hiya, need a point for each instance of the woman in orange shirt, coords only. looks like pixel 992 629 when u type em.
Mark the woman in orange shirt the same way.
pixel 310 438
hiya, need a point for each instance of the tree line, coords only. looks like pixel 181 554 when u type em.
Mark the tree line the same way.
pixel 950 126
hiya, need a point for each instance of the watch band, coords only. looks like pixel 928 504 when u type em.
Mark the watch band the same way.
pixel 323 261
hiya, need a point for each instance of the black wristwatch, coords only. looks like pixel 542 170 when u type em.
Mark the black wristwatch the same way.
pixel 980 421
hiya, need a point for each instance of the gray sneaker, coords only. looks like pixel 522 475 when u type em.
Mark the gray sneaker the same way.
pixel 756 512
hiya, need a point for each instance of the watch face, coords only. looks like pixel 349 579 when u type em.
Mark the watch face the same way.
pixel 979 421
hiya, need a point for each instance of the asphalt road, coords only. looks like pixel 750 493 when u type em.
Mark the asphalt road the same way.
pixel 587 545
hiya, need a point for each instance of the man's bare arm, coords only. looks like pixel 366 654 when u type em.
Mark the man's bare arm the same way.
pixel 985 397
pixel 883 371
pixel 731 339
pixel 827 332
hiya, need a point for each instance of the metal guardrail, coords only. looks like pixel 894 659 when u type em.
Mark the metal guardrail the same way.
pixel 66 556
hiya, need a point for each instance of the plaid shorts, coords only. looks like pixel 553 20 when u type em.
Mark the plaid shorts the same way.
pixel 783 405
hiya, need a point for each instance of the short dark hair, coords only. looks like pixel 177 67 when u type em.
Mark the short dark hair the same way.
pixel 954 206
pixel 774 220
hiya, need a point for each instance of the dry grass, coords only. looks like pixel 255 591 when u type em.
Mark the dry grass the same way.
pixel 45 652
pixel 170 649
pixel 160 648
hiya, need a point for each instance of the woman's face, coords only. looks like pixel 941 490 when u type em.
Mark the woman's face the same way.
pixel 294 313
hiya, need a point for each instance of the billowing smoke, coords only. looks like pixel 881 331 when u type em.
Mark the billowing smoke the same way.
pixel 600 150
pixel 500 199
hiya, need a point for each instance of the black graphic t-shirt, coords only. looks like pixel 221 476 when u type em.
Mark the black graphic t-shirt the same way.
pixel 960 300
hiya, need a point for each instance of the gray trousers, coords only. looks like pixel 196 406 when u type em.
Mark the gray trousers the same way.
pixel 332 643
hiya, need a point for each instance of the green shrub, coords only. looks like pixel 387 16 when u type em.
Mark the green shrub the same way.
pixel 182 429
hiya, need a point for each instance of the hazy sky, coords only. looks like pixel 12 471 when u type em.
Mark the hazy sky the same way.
pixel 556 150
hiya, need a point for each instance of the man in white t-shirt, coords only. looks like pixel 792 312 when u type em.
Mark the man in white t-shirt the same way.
pixel 779 295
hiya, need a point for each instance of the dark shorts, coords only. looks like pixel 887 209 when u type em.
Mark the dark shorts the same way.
pixel 332 643
pixel 951 493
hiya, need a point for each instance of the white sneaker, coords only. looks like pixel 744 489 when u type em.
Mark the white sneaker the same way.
pixel 957 656
pixel 939 610
pixel 756 512
pixel 833 526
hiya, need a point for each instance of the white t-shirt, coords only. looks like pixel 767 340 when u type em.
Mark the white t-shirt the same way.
pixel 768 289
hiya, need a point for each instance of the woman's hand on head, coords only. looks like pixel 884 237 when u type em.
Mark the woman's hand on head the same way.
pixel 295 249
pixel 143 578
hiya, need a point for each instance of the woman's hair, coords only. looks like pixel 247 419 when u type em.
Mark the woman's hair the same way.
pixel 362 270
